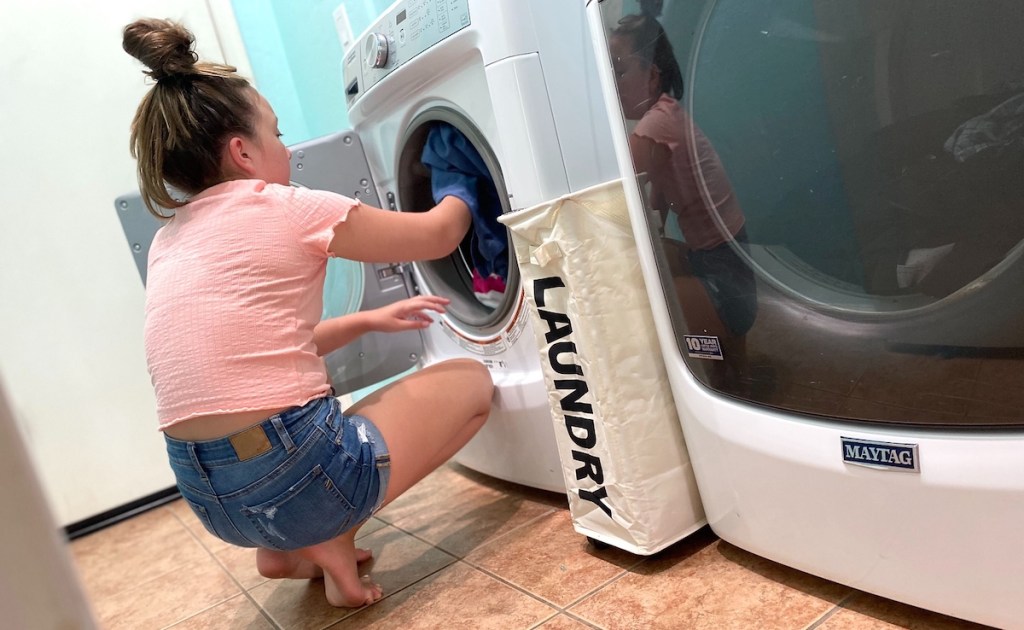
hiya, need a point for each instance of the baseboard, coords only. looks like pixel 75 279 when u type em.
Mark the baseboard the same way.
pixel 118 514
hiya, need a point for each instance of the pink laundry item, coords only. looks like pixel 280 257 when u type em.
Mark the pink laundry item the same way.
pixel 489 291
pixel 234 290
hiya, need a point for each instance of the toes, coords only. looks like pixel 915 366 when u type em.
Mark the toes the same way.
pixel 373 590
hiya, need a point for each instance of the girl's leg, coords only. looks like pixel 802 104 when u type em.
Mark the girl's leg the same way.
pixel 425 419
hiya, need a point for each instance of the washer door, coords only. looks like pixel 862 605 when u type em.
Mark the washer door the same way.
pixel 835 193
pixel 479 313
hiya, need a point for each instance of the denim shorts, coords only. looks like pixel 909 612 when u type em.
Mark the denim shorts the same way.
pixel 301 477
pixel 729 281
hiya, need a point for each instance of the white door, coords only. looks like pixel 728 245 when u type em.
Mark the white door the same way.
pixel 71 353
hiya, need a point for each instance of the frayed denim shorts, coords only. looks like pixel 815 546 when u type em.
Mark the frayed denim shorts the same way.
pixel 301 477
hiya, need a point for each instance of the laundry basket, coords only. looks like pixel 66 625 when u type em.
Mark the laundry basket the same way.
pixel 624 460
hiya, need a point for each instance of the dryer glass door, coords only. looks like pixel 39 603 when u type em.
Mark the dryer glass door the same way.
pixel 834 190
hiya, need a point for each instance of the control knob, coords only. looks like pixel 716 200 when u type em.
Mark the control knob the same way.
pixel 375 50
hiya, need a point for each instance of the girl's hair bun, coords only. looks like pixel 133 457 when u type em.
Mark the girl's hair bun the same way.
pixel 165 47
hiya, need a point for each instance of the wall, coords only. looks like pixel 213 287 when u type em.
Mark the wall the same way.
pixel 72 302
pixel 296 56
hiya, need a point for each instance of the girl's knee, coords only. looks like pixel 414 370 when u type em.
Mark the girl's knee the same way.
pixel 474 379
pixel 484 382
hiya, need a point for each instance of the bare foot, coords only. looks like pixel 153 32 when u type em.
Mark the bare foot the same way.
pixel 289 564
pixel 285 564
pixel 340 560
pixel 362 555
pixel 370 593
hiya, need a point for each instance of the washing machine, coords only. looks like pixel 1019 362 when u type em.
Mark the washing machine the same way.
pixel 866 425
pixel 517 79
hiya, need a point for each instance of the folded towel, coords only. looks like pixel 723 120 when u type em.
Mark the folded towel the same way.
pixel 457 169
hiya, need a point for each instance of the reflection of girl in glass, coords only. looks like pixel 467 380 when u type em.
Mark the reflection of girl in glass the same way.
pixel 687 179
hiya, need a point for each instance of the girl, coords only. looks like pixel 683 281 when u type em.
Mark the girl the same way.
pixel 256 439
pixel 687 178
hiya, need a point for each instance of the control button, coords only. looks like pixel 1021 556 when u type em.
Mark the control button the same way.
pixel 375 50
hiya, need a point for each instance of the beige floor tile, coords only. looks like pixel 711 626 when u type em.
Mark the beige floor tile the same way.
pixel 869 612
pixel 471 519
pixel 240 562
pixel 457 597
pixel 549 559
pixel 434 494
pixel 369 527
pixel 399 560
pixel 181 509
pixel 167 599
pixel 238 613
pixel 298 604
pixel 564 622
pixel 141 548
pixel 702 582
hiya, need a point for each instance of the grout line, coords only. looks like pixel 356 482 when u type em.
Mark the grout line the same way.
pixel 387 595
pixel 595 591
pixel 626 571
pixel 543 621
pixel 221 603
pixel 244 591
pixel 586 622
pixel 522 590
pixel 94 603
pixel 835 609
pixel 485 544
pixel 561 609
pixel 511 531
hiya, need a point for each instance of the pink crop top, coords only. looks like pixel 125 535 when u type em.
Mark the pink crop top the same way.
pixel 683 183
pixel 234 290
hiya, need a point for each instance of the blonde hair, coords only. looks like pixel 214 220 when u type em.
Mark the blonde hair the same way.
pixel 183 123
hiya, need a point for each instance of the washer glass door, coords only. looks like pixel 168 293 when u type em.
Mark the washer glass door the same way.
pixel 835 191
pixel 442 151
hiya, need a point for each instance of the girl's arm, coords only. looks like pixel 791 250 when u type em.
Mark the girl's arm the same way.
pixel 373 235
pixel 410 314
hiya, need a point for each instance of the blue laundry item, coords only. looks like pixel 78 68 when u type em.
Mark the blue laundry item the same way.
pixel 457 169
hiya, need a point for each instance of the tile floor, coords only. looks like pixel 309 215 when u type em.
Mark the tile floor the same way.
pixel 462 550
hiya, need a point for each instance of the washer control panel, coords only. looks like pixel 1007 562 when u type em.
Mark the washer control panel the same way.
pixel 407 29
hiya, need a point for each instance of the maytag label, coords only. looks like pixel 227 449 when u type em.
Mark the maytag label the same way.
pixel 885 455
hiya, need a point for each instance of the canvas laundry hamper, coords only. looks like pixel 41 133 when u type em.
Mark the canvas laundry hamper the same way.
pixel 626 468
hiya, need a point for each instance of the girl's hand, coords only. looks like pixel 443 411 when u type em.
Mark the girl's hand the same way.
pixel 409 314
